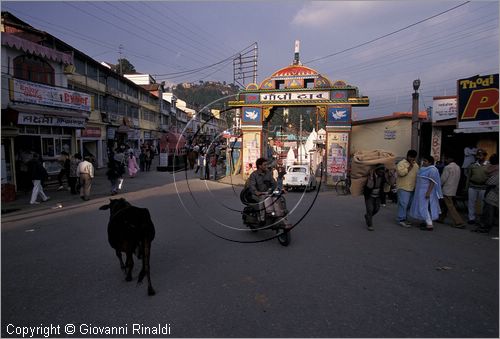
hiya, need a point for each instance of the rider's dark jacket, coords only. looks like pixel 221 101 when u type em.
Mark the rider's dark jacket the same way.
pixel 261 182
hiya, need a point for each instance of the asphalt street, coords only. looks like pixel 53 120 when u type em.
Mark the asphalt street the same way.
pixel 214 278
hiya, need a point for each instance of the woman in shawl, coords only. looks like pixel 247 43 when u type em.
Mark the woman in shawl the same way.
pixel 425 204
pixel 132 165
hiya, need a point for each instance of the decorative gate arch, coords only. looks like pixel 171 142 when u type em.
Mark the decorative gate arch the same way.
pixel 298 85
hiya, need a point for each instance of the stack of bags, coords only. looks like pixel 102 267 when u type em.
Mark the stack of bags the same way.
pixel 363 161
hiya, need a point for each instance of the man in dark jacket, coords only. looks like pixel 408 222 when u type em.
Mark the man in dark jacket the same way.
pixel 38 174
pixel 260 183
pixel 374 191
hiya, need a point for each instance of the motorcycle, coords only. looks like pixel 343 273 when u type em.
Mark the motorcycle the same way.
pixel 250 215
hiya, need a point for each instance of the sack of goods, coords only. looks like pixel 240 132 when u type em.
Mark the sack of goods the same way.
pixel 363 161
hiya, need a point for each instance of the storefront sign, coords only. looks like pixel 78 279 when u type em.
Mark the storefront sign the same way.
pixel 111 133
pixel 91 132
pixel 478 101
pixel 436 143
pixel 444 108
pixel 389 134
pixel 134 134
pixel 294 96
pixel 30 92
pixel 49 120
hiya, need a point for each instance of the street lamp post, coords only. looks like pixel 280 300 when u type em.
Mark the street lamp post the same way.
pixel 414 116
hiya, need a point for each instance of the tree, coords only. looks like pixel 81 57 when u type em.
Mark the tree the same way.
pixel 124 67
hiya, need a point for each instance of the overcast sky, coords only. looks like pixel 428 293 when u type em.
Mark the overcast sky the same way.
pixel 378 46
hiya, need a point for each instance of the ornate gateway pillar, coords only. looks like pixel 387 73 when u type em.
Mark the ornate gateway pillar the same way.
pixel 251 147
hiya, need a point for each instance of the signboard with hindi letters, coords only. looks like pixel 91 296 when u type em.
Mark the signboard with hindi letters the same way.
pixel 48 120
pixel 294 96
pixel 34 93
pixel 444 108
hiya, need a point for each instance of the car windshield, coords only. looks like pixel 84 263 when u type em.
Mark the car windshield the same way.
pixel 298 170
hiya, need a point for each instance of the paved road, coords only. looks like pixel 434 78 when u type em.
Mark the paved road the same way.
pixel 335 279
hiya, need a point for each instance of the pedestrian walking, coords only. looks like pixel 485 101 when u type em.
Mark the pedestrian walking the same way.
pixel 425 203
pixel 113 173
pixel 38 176
pixel 489 218
pixel 142 160
pixel 199 159
pixel 213 165
pixel 373 192
pixel 73 177
pixel 476 185
pixel 149 158
pixel 120 159
pixel 406 171
pixel 132 165
pixel 65 164
pixel 449 181
pixel 85 171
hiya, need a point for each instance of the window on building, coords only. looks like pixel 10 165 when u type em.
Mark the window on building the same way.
pixel 80 66
pixel 32 68
pixel 309 83
pixel 92 72
pixel 113 83
pixel 148 115
pixel 102 77
pixel 133 111
pixel 280 84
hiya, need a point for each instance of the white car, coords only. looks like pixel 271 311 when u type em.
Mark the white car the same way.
pixel 299 176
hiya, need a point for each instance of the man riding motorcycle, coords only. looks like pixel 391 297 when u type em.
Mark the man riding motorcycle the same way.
pixel 261 183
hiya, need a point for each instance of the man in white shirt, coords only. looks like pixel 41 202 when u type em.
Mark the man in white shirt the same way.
pixel 85 171
pixel 449 181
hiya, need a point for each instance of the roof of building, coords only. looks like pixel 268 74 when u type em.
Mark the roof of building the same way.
pixel 396 115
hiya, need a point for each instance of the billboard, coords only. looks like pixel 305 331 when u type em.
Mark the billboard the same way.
pixel 478 101
pixel 444 108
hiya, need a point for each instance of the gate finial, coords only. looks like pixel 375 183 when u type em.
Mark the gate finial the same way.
pixel 296 60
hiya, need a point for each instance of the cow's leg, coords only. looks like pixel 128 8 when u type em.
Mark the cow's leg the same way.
pixel 145 267
pixel 130 266
pixel 119 255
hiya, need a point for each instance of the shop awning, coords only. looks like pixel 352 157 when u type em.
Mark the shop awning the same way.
pixel 38 109
pixel 477 130
pixel 27 46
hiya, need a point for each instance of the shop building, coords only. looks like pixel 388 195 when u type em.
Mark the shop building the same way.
pixel 40 114
pixel 390 133
pixel 468 119
pixel 56 98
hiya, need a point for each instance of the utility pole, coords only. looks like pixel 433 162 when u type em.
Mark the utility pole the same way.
pixel 120 48
pixel 414 116
pixel 300 139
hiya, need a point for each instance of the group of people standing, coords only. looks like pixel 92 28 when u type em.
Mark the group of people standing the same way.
pixel 79 174
pixel 426 195
pixel 123 159
pixel 205 159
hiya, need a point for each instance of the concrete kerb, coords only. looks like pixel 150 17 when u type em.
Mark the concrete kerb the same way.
pixel 20 208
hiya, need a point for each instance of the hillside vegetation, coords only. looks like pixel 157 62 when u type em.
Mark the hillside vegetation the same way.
pixel 214 94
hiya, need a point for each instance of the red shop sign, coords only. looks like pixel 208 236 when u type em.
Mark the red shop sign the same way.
pixel 94 132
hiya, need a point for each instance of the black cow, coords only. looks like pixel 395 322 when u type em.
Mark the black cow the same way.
pixel 130 230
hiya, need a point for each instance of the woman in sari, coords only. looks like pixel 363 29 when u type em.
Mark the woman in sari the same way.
pixel 425 204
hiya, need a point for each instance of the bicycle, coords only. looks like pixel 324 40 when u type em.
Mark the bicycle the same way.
pixel 343 186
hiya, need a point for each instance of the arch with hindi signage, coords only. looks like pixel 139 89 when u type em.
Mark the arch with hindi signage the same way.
pixel 298 85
